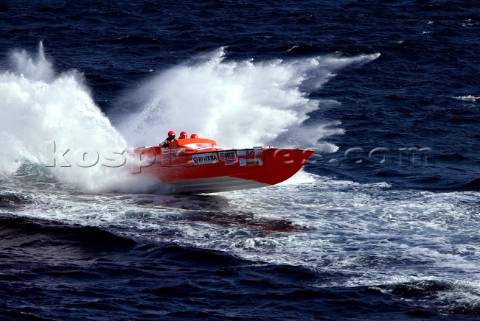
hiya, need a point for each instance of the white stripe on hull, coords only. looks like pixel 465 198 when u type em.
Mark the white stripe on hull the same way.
pixel 213 185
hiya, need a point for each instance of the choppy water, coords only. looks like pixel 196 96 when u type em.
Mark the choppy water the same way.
pixel 382 223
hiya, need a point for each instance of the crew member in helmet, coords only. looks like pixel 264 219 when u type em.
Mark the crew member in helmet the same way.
pixel 194 136
pixel 169 139
pixel 183 135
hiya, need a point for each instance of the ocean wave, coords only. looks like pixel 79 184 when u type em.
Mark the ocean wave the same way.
pixel 467 98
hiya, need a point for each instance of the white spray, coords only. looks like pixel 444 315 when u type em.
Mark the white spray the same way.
pixel 238 103
pixel 52 120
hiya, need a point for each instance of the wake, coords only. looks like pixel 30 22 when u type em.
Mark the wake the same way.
pixel 239 103
pixel 51 119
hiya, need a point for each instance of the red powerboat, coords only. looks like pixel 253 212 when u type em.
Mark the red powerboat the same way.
pixel 199 165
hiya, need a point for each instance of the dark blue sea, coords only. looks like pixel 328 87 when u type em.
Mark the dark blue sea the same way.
pixel 383 222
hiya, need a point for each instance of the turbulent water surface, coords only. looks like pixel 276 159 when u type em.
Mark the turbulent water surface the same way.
pixel 382 223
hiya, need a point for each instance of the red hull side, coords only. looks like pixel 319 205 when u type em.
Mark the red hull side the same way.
pixel 212 169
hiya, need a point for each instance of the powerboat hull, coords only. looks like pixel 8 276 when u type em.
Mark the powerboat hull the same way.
pixel 199 167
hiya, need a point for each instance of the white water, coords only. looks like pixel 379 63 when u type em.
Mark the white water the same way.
pixel 469 98
pixel 238 103
pixel 50 118
pixel 359 234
